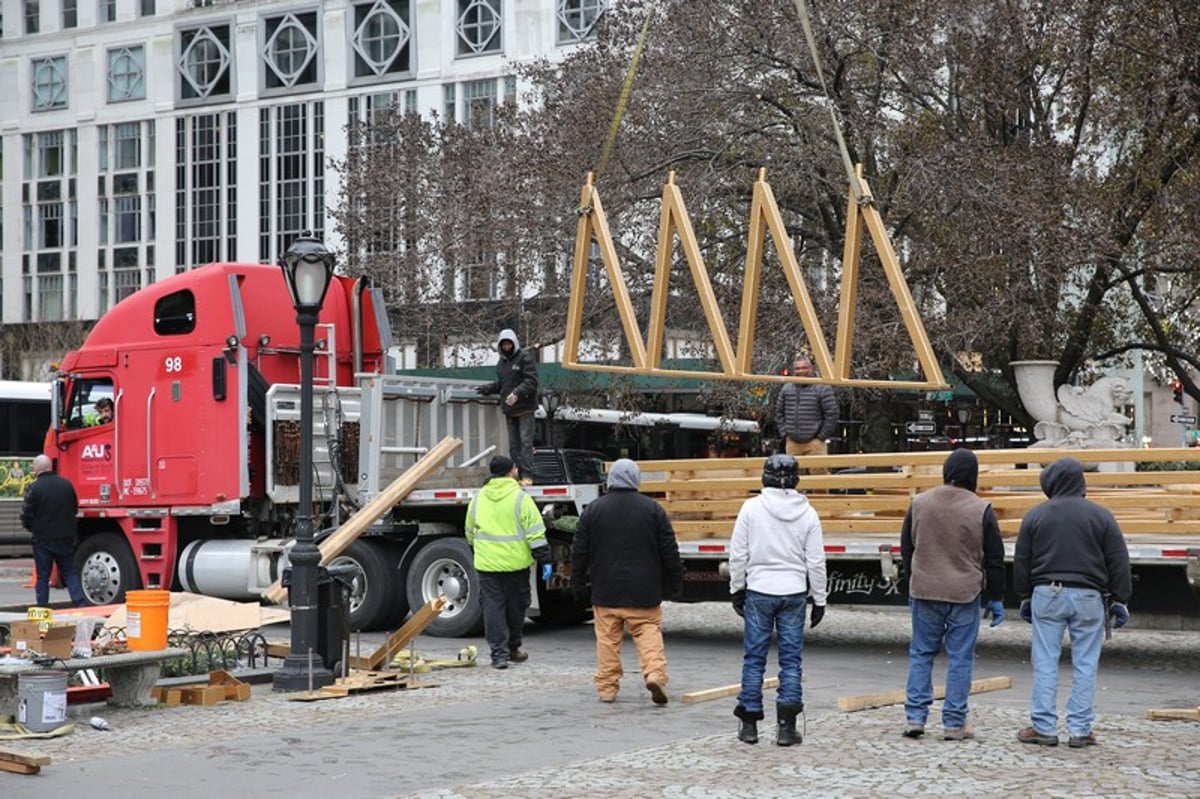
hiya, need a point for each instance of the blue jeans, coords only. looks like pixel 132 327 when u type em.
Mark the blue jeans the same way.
pixel 1079 611
pixel 45 555
pixel 934 624
pixel 784 615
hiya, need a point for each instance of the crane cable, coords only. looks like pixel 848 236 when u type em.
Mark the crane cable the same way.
pixel 623 100
pixel 855 185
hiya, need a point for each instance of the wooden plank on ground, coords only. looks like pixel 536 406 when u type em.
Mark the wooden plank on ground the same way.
pixel 867 701
pixel 724 690
pixel 411 629
pixel 1173 714
pixel 13 756
pixel 362 519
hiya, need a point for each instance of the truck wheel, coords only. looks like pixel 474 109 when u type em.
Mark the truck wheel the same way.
pixel 106 568
pixel 377 597
pixel 443 567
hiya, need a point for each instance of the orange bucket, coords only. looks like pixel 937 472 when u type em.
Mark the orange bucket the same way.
pixel 146 620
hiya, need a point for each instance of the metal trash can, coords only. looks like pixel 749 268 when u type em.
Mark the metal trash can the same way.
pixel 334 584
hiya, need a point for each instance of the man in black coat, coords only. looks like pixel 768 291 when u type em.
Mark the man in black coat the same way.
pixel 625 543
pixel 48 511
pixel 517 384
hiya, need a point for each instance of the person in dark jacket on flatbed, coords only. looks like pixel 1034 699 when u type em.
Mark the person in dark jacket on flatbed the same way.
pixel 1070 553
pixel 625 543
pixel 954 558
pixel 517 384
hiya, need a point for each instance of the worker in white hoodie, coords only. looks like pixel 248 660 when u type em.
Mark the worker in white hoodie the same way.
pixel 776 562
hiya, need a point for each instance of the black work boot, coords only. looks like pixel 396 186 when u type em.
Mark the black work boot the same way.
pixel 748 724
pixel 786 713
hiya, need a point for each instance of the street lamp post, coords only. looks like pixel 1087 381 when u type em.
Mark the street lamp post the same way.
pixel 307 268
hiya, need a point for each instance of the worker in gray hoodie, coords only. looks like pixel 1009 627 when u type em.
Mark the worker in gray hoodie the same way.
pixel 776 563
pixel 517 384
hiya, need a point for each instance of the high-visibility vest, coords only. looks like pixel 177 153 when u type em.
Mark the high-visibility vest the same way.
pixel 503 526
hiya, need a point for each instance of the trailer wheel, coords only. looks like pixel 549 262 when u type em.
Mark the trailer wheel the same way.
pixel 560 609
pixel 377 595
pixel 443 567
pixel 107 568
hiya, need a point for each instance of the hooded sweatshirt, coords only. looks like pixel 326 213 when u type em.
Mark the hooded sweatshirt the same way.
pixel 950 542
pixel 516 373
pixel 1070 540
pixel 625 544
pixel 778 547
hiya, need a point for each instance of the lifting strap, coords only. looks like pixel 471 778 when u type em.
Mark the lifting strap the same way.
pixel 623 100
pixel 847 163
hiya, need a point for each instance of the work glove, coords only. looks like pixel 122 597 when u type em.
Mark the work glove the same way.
pixel 818 613
pixel 547 570
pixel 481 390
pixel 1026 611
pixel 1119 614
pixel 511 399
pixel 995 609
pixel 739 602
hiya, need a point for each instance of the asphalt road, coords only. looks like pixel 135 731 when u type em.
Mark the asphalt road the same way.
pixel 537 729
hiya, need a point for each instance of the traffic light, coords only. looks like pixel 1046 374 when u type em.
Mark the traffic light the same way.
pixel 1177 388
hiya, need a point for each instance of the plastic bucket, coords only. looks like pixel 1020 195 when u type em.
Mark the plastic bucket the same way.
pixel 146 620
pixel 42 700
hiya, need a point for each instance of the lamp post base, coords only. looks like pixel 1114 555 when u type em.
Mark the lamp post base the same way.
pixel 293 675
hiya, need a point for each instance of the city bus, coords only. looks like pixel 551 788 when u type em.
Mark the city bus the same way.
pixel 24 420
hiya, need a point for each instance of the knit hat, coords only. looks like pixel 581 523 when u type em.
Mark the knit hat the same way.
pixel 501 466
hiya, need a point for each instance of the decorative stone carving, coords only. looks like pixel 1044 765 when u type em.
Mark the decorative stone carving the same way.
pixel 1074 417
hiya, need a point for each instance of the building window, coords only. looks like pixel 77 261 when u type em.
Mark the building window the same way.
pixel 126 202
pixel 478 26
pixel 577 19
pixel 449 103
pixel 70 14
pixel 146 8
pixel 205 189
pixel 289 50
pixel 291 175
pixel 50 231
pixel 204 63
pixel 33 18
pixel 479 103
pixel 49 83
pixel 479 278
pixel 107 11
pixel 381 37
pixel 126 74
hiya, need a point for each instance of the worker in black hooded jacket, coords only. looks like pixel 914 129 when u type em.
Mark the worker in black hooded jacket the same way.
pixel 517 384
pixel 1069 554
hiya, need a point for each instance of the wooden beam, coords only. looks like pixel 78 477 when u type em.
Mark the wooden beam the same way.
pixel 725 690
pixel 848 302
pixel 579 270
pixel 13 756
pixel 415 625
pixel 751 280
pixel 363 518
pixel 1174 714
pixel 866 701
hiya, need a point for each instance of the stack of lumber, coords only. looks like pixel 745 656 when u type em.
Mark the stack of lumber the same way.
pixel 22 762
pixel 702 496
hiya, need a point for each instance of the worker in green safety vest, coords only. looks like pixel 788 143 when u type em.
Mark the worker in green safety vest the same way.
pixel 507 534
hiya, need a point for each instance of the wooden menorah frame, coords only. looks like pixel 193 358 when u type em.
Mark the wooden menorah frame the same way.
pixel 764 215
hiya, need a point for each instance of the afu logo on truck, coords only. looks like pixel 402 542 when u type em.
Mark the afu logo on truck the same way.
pixel 95 452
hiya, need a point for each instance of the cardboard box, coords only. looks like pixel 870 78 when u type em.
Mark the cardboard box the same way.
pixel 203 694
pixel 55 642
pixel 234 688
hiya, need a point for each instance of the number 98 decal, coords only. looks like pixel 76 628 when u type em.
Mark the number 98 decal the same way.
pixel 173 364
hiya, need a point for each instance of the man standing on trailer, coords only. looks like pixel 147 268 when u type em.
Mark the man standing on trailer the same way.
pixel 48 511
pixel 1070 553
pixel 952 552
pixel 806 414
pixel 517 384
pixel 507 534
